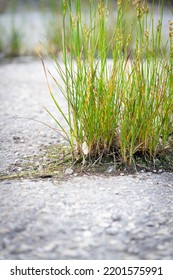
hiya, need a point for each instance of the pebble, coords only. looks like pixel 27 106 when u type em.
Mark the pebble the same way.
pixel 112 231
pixel 51 246
pixel 69 171
pixel 116 217
pixel 16 138
pixel 16 161
pixel 111 169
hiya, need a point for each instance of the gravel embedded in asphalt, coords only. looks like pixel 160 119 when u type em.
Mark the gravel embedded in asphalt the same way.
pixel 23 96
pixel 85 217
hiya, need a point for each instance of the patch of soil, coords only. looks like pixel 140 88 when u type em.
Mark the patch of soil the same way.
pixel 56 161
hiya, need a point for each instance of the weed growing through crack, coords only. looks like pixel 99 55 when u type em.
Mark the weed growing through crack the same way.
pixel 123 106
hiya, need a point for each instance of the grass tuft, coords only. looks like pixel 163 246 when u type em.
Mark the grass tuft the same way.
pixel 123 106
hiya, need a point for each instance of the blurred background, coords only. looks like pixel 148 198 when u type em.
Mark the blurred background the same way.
pixel 29 26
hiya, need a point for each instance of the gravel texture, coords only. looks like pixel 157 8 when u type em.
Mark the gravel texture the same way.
pixel 23 93
pixel 123 217
pixel 83 217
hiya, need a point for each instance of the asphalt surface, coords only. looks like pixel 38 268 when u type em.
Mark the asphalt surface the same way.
pixel 82 217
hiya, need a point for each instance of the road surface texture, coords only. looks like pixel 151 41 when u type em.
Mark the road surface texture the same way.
pixel 81 217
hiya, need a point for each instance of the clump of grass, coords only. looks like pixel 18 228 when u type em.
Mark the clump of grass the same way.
pixel 14 42
pixel 120 107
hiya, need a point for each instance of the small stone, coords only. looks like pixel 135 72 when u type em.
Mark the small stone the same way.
pixel 16 138
pixel 150 224
pixel 19 169
pixel 51 246
pixel 122 174
pixel 104 225
pixel 16 161
pixel 69 171
pixel 116 217
pixel 111 231
pixel 40 168
pixel 167 185
pixel 111 169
